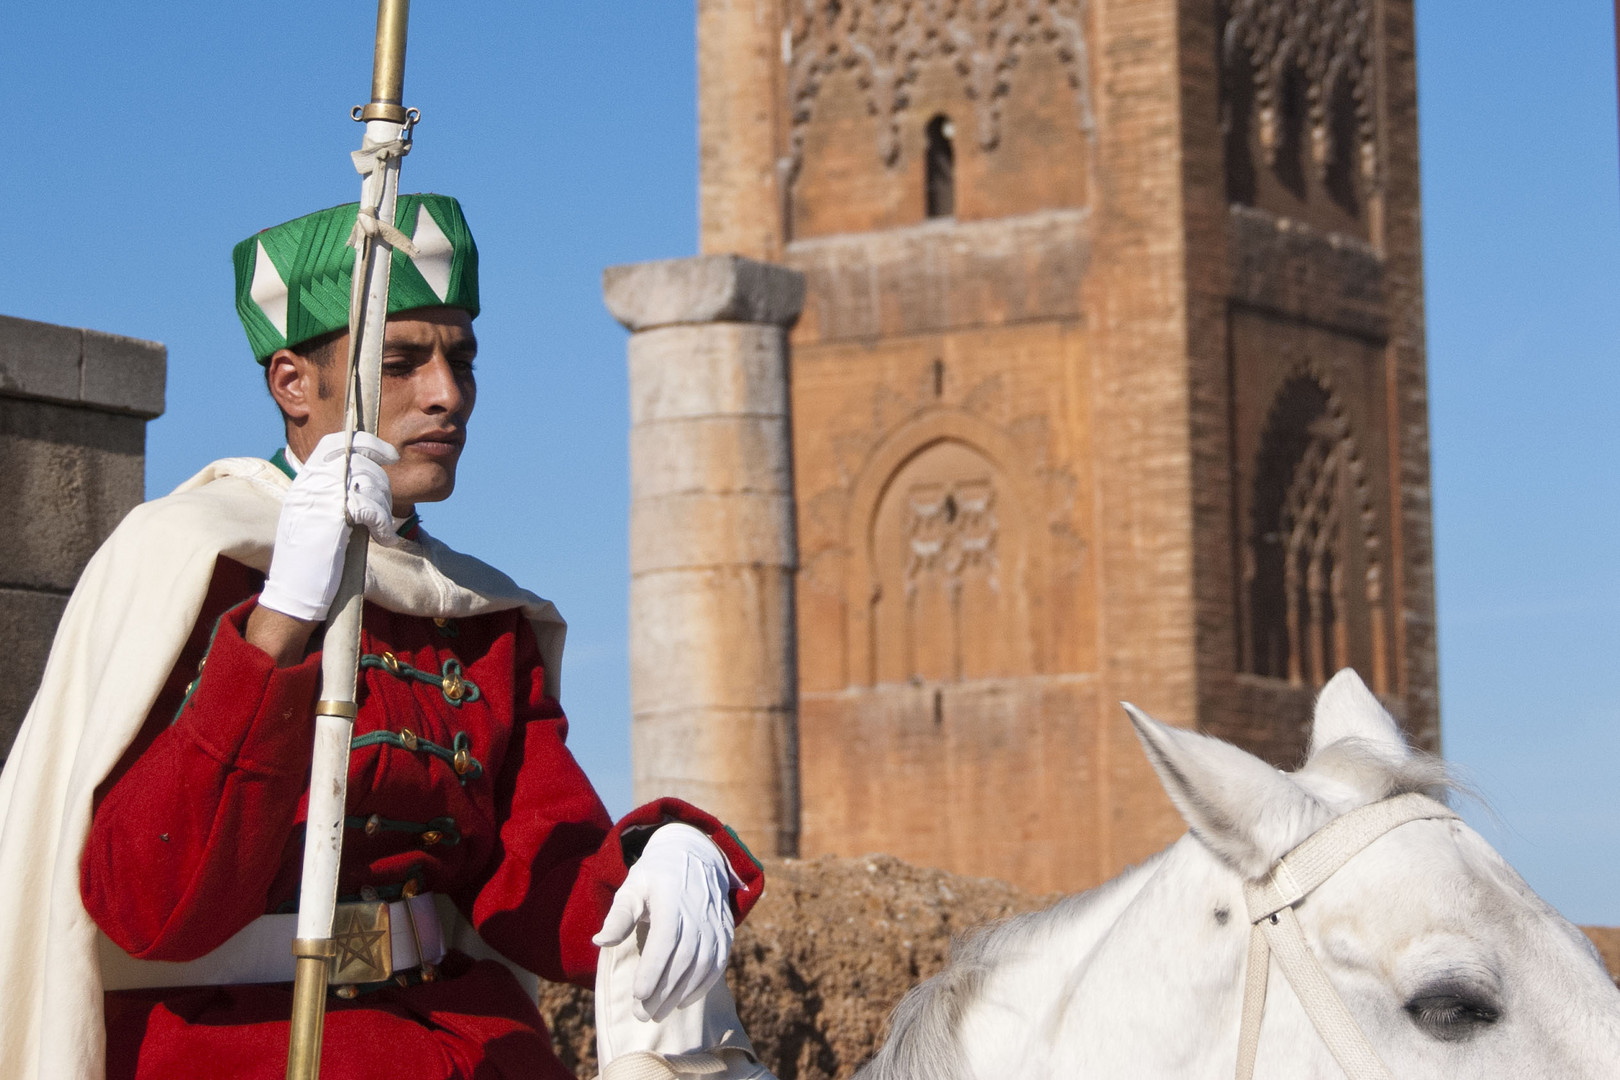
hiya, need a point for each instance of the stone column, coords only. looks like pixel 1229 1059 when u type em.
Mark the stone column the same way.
pixel 713 684
pixel 73 411
pixel 739 90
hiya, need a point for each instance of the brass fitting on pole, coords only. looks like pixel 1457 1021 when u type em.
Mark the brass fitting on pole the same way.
pixel 388 64
pixel 313 966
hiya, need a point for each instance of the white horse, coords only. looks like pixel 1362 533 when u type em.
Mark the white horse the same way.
pixel 1439 960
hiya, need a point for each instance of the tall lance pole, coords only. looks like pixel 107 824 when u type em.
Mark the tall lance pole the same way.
pixel 386 141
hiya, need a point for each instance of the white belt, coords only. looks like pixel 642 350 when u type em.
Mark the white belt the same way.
pixel 262 951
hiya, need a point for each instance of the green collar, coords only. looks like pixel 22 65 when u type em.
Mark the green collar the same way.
pixel 407 528
pixel 279 460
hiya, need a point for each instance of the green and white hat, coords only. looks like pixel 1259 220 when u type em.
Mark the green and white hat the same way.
pixel 293 280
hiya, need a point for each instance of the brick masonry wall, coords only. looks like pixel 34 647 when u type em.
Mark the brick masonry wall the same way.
pixel 1104 317
pixel 1210 390
pixel 1401 244
pixel 1136 304
pixel 1291 282
pixel 73 411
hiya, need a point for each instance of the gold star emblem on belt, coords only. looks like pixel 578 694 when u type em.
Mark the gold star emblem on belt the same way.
pixel 364 944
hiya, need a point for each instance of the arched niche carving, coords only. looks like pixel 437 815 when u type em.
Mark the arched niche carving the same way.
pixel 863 77
pixel 942 557
pixel 1312 595
pixel 1297 79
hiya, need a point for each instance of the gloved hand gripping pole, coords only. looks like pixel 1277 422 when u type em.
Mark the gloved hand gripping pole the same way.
pixel 386 141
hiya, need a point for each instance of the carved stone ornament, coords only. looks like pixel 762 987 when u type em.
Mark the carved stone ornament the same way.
pixel 887 43
pixel 1326 42
pixel 1304 601
pixel 950 527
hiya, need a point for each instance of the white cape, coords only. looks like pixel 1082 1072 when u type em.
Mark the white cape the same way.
pixel 122 631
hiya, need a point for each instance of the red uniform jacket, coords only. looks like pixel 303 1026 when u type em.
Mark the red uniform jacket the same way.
pixel 459 781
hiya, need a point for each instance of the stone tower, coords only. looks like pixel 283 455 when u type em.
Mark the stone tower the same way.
pixel 1109 384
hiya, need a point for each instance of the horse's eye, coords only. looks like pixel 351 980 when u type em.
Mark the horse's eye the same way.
pixel 1450 1015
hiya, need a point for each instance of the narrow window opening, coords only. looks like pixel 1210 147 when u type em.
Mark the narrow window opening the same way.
pixel 941 167
pixel 1296 575
pixel 1237 123
pixel 1343 147
pixel 1290 140
pixel 939 378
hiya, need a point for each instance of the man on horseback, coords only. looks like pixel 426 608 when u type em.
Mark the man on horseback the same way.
pixel 163 768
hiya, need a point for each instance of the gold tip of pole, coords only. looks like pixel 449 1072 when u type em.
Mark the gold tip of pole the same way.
pixel 388 62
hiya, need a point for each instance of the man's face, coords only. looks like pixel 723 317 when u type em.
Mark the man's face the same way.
pixel 428 391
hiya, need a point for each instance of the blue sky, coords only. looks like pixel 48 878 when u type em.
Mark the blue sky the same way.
pixel 142 141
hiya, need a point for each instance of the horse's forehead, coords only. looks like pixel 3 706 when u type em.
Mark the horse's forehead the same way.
pixel 1425 879
pixel 1413 906
pixel 1418 874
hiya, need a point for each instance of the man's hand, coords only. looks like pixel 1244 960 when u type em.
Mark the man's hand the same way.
pixel 680 888
pixel 313 531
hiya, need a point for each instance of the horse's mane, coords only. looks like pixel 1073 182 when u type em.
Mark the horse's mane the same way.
pixel 1360 771
pixel 922 1042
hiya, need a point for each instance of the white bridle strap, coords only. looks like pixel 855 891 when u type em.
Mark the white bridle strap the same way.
pixel 1332 1020
pixel 1256 973
pixel 1275 930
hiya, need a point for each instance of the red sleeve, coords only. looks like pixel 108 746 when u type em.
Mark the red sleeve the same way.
pixel 184 845
pixel 559 859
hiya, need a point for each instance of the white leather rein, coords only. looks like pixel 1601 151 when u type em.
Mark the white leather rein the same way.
pixel 1275 931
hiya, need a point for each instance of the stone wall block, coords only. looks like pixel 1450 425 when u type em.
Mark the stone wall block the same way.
pixel 704 289
pixel 719 759
pixel 1294 270
pixel 925 278
pixel 689 751
pixel 27 625
pixel 681 531
pixel 66 365
pixel 39 360
pixel 69 477
pixel 123 373
pixel 722 369
pixel 721 640
pixel 722 456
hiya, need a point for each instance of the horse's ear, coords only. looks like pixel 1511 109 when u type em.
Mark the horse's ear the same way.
pixel 1346 709
pixel 1245 811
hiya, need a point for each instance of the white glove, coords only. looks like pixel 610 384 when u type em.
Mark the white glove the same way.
pixel 680 888
pixel 313 532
